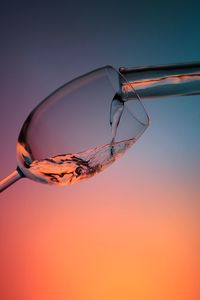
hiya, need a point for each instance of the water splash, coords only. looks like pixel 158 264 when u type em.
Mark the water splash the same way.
pixel 67 169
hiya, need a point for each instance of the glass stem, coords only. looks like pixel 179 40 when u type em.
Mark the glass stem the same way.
pixel 162 81
pixel 10 179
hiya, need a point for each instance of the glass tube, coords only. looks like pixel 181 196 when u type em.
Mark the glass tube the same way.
pixel 162 81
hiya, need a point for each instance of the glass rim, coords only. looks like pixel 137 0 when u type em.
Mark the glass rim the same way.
pixel 147 123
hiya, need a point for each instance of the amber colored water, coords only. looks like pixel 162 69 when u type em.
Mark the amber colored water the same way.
pixel 67 169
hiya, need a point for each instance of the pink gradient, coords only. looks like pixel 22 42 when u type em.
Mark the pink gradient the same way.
pixel 131 232
pixel 88 243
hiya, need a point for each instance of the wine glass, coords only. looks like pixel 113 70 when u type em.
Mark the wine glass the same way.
pixel 79 130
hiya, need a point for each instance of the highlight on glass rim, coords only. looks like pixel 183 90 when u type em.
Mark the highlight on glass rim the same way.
pixel 49 148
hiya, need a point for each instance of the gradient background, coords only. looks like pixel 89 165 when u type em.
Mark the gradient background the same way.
pixel 131 232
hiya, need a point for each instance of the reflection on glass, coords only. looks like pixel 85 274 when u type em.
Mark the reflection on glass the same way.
pixel 87 124
pixel 80 129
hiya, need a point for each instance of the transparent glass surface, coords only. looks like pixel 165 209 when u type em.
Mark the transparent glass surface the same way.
pixel 88 123
pixel 80 129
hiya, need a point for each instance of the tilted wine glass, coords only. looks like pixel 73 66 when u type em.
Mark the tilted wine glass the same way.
pixel 88 123
pixel 79 130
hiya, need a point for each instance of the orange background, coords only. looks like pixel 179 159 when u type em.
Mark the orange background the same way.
pixel 131 232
